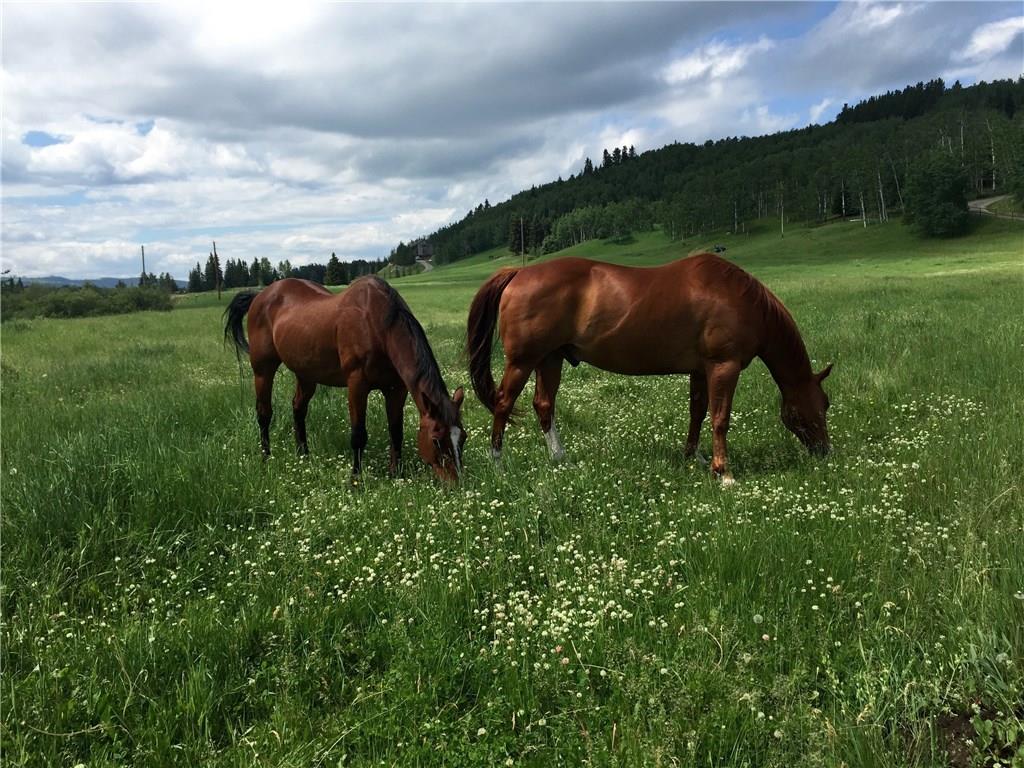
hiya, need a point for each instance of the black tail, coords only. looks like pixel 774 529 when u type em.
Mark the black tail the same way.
pixel 483 317
pixel 233 316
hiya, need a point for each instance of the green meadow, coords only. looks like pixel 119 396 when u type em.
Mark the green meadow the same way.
pixel 170 599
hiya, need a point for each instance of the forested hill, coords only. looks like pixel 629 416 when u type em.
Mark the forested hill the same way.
pixel 857 165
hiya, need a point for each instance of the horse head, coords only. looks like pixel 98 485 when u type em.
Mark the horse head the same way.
pixel 803 412
pixel 442 436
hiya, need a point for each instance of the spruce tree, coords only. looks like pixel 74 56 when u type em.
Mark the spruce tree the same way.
pixel 335 272
pixel 195 279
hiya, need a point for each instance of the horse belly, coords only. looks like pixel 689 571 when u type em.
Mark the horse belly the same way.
pixel 310 356
pixel 641 357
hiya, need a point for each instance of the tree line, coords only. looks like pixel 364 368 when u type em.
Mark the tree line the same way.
pixel 237 273
pixel 868 164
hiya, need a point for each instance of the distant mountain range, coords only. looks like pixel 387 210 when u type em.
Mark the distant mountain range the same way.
pixel 99 282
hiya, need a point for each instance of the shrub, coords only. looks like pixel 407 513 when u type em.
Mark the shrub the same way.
pixel 39 300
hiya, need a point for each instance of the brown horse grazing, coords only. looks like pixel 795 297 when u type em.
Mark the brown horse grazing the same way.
pixel 701 315
pixel 365 338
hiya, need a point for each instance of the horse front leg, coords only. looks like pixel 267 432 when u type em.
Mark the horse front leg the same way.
pixel 304 391
pixel 358 392
pixel 698 410
pixel 394 404
pixel 512 384
pixel 722 378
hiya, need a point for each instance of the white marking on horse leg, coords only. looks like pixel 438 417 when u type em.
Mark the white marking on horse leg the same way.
pixel 554 444
pixel 728 481
pixel 495 453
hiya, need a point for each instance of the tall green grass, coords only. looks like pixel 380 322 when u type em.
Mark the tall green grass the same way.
pixel 168 598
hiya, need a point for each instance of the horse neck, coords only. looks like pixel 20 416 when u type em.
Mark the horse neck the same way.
pixel 401 349
pixel 784 353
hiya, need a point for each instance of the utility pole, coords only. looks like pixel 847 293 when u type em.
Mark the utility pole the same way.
pixel 216 268
pixel 143 281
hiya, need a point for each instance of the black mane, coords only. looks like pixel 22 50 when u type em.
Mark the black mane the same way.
pixel 428 373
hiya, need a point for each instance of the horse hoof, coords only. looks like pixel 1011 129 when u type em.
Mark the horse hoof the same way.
pixel 728 481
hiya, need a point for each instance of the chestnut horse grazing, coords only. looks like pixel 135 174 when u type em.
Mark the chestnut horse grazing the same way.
pixel 365 338
pixel 701 315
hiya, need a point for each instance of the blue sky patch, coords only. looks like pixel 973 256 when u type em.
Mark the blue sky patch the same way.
pixel 43 139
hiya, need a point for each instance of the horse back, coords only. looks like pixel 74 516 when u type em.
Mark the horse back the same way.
pixel 313 331
pixel 634 320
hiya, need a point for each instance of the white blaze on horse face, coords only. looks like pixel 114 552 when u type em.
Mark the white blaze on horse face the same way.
pixel 554 444
pixel 456 435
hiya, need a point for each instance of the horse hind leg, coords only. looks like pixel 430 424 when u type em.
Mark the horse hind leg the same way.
pixel 549 376
pixel 263 378
pixel 698 410
pixel 512 384
pixel 304 391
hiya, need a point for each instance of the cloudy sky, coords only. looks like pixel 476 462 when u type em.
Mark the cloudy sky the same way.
pixel 290 130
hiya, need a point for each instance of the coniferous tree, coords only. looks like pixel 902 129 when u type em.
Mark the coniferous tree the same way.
pixel 516 230
pixel 403 255
pixel 212 275
pixel 267 272
pixel 335 272
pixel 167 283
pixel 588 167
pixel 936 197
pixel 195 279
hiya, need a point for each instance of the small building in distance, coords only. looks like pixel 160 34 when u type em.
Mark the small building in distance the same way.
pixel 423 249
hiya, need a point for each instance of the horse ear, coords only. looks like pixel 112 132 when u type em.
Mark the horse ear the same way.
pixel 457 398
pixel 824 373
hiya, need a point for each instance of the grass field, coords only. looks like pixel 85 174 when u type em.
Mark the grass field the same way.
pixel 169 599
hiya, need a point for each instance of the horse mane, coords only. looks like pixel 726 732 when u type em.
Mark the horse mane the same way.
pixel 781 338
pixel 427 371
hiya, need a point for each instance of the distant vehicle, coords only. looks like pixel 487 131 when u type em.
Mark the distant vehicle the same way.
pixel 720 249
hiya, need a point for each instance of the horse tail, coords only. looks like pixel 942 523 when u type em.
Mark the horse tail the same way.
pixel 233 316
pixel 483 317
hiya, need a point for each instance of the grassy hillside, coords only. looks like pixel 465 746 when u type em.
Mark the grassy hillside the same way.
pixel 169 599
pixel 869 156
